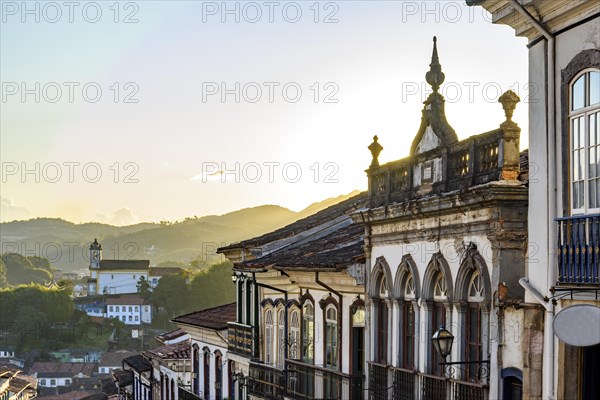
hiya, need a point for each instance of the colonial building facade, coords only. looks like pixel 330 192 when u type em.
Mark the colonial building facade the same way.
pixel 562 274
pixel 444 238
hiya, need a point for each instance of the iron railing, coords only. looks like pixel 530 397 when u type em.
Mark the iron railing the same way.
pixel 404 385
pixel 578 250
pixel 266 381
pixel 434 387
pixel 378 381
pixel 468 391
pixel 187 395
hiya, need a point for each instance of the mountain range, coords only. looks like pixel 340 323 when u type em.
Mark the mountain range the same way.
pixel 65 244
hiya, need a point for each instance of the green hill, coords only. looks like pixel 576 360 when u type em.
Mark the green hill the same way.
pixel 66 244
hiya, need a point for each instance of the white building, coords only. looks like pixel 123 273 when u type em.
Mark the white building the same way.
pixel 564 198
pixel 211 368
pixel 171 369
pixel 114 276
pixel 130 309
pixel 112 360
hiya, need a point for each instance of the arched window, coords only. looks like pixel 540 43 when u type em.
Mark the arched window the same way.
pixel 269 337
pixel 408 325
pixel 280 337
pixel 219 375
pixel 52 382
pixel 308 332
pixel 294 335
pixel 206 370
pixel 381 321
pixel 438 317
pixel 584 125
pixel 196 369
pixel 331 337
pixel 472 331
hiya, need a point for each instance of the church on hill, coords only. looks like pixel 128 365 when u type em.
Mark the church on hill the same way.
pixel 114 276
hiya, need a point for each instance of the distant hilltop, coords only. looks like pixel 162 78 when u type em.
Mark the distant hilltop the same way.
pixel 66 244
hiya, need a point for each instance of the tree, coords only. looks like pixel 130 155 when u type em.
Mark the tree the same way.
pixel 143 288
pixel 32 324
pixel 171 293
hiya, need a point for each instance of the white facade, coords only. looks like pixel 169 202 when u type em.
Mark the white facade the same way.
pixel 130 314
pixel 54 381
pixel 118 282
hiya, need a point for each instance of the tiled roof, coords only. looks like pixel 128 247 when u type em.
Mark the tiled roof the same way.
pixel 127 300
pixel 62 369
pixel 329 214
pixel 138 363
pixel 213 318
pixel 162 271
pixel 17 385
pixel 122 377
pixel 176 351
pixel 108 385
pixel 171 335
pixel 114 358
pixel 72 395
pixel 114 265
pixel 336 250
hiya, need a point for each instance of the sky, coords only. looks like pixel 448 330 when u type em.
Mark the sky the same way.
pixel 122 112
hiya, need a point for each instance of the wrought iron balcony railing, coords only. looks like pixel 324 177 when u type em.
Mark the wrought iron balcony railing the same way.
pixel 578 250
pixel 387 382
pixel 185 394
pixel 266 381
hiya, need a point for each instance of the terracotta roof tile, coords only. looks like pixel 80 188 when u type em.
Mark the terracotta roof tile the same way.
pixel 213 318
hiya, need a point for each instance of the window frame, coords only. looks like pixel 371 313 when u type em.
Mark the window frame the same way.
pixel 269 336
pixel 582 64
pixel 307 336
pixel 331 337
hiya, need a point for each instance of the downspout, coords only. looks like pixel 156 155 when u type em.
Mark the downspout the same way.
pixel 548 365
pixel 340 325
pixel 552 157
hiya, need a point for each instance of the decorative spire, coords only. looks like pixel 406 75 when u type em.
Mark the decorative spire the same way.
pixel 435 76
pixel 375 148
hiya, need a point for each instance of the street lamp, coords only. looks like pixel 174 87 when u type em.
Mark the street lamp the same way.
pixel 442 341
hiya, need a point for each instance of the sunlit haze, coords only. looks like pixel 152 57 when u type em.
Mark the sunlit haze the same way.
pixel 329 76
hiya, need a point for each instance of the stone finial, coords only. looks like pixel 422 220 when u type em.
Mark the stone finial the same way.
pixel 509 102
pixel 435 77
pixel 375 149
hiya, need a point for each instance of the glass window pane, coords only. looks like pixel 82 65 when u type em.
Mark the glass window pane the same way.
pixel 578 93
pixel 592 193
pixel 594 79
pixel 592 163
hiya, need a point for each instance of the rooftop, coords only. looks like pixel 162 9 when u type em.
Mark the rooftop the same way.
pixel 212 318
pixel 162 271
pixel 59 369
pixel 124 265
pixel 313 221
pixel 337 250
pixel 176 351
pixel 171 335
pixel 138 363
pixel 127 300
pixel 114 358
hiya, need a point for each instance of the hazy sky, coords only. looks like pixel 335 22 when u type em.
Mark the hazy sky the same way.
pixel 285 95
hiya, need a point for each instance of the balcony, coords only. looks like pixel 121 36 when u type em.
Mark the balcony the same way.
pixel 488 157
pixel 412 385
pixel 302 382
pixel 307 382
pixel 240 339
pixel 266 381
pixel 184 394
pixel 578 250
